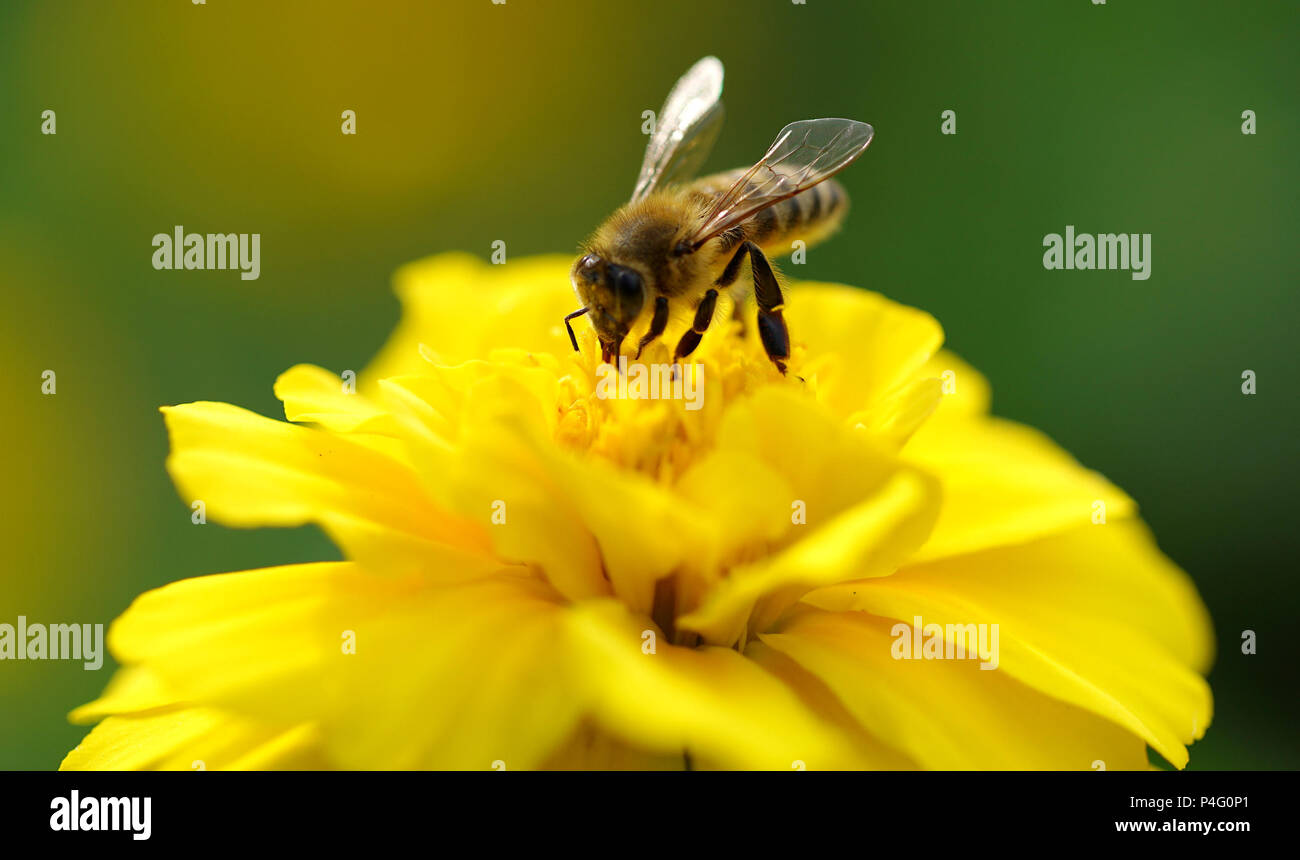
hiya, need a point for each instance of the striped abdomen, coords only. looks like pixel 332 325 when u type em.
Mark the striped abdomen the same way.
pixel 809 216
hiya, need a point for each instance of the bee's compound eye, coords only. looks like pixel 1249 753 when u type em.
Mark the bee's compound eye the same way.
pixel 629 295
pixel 625 282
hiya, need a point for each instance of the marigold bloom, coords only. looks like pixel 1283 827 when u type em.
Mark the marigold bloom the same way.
pixel 538 577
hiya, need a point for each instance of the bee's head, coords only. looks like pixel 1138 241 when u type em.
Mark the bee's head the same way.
pixel 614 296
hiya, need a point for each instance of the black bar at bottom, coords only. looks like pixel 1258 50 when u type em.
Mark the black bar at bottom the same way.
pixel 335 809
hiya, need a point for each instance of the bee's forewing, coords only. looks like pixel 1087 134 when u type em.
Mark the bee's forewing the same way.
pixel 803 154
pixel 685 129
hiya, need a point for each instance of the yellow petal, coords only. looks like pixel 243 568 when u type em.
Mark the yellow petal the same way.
pixel 1094 618
pixel 642 532
pixel 461 679
pixel 314 395
pixel 185 738
pixel 947 714
pixel 450 398
pixel 895 416
pixel 871 539
pixel 591 749
pixel 819 698
pixel 966 393
pixel 1004 483
pixel 500 474
pixel 826 466
pixel 462 308
pixel 861 346
pixel 252 471
pixel 399 672
pixel 858 514
pixel 591 528
pixel 744 503
pixel 132 689
pixel 710 702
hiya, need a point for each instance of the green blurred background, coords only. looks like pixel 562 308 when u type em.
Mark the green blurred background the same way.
pixel 522 122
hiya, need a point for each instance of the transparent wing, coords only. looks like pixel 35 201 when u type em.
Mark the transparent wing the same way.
pixel 804 153
pixel 695 146
pixel 686 128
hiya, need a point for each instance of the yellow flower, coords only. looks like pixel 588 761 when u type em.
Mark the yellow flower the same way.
pixel 541 577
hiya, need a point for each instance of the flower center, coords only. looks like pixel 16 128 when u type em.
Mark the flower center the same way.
pixel 651 416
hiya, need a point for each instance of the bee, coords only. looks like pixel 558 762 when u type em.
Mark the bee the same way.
pixel 677 243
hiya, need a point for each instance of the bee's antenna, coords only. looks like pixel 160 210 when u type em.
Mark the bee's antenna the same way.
pixel 572 337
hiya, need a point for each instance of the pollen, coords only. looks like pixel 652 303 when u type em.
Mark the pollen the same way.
pixel 654 417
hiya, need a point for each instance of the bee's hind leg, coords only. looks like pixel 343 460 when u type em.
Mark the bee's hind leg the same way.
pixel 771 324
pixel 767 294
pixel 727 279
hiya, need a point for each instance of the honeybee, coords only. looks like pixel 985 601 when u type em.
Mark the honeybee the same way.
pixel 676 243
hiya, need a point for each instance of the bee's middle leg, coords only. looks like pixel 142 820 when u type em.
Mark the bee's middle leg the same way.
pixel 703 316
